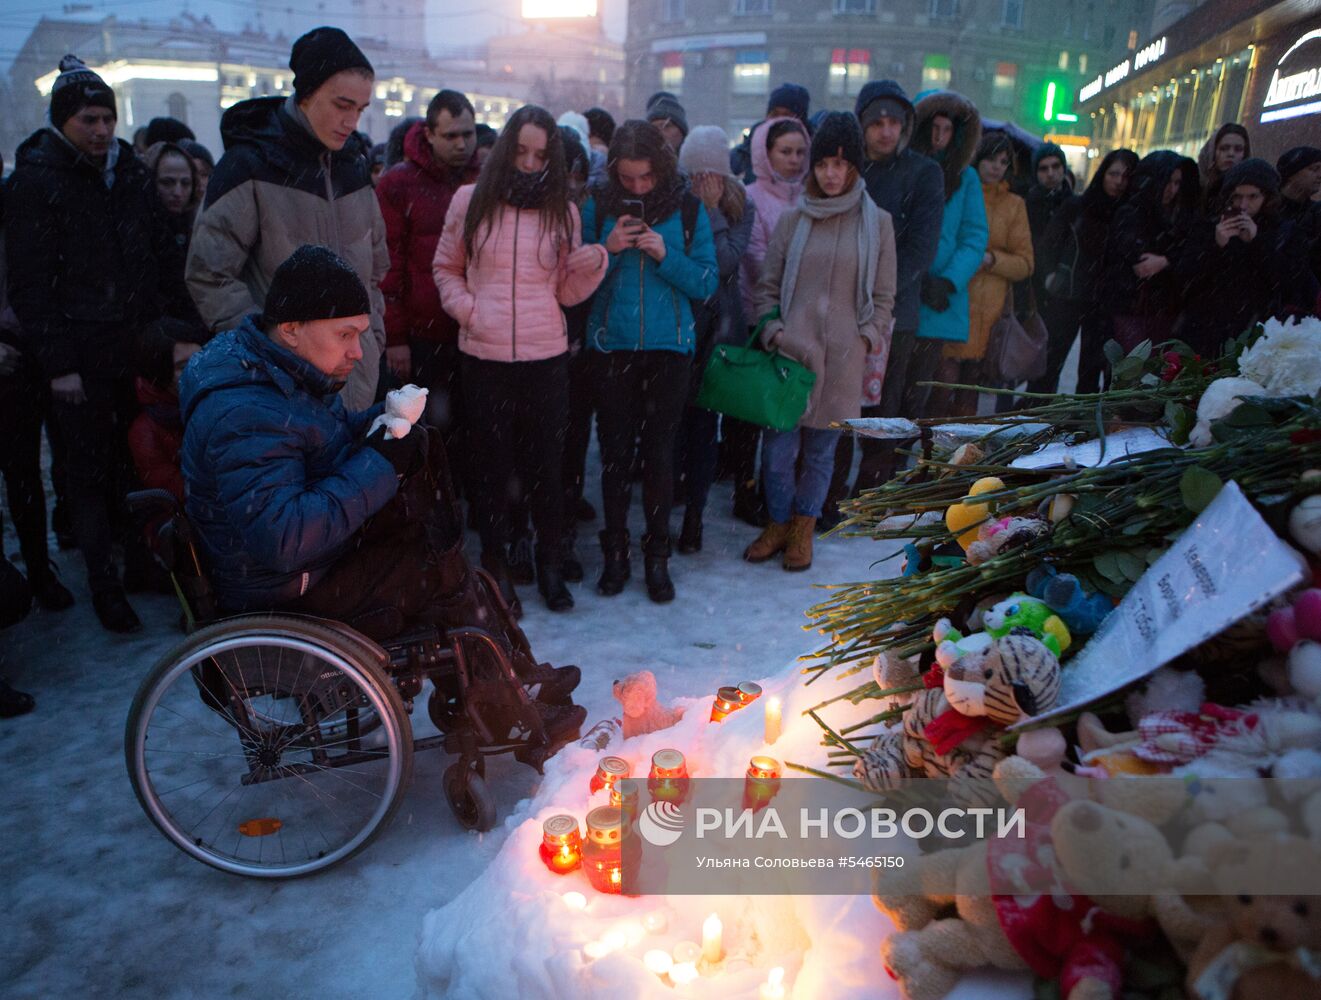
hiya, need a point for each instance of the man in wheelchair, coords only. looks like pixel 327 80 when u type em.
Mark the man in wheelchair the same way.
pixel 298 508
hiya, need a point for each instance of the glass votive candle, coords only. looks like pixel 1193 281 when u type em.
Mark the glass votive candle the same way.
pixel 608 771
pixel 727 700
pixel 602 856
pixel 668 781
pixel 761 783
pixel 561 844
pixel 748 692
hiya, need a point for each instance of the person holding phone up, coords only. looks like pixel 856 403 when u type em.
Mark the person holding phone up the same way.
pixel 662 257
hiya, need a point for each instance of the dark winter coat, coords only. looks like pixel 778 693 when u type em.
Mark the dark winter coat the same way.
pixel 1306 218
pixel 1142 225
pixel 910 187
pixel 176 301
pixel 276 188
pixel 1042 208
pixel 278 478
pixel 720 319
pixel 1073 247
pixel 84 272
pixel 155 438
pixel 415 196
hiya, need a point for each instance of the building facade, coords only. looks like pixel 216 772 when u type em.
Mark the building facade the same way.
pixel 188 69
pixel 1020 60
pixel 1256 62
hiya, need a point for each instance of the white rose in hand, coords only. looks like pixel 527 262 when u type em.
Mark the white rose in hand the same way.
pixel 403 408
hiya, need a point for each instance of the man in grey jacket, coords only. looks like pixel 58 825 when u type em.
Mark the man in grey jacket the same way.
pixel 295 171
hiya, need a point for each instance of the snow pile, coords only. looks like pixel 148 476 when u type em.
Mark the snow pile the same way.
pixel 512 933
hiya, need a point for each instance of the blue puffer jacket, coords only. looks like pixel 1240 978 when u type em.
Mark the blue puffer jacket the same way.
pixel 278 479
pixel 963 237
pixel 645 306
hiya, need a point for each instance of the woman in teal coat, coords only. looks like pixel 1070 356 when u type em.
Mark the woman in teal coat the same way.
pixel 948 130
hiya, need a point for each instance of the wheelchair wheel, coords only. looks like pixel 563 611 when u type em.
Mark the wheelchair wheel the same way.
pixel 268 746
pixel 469 798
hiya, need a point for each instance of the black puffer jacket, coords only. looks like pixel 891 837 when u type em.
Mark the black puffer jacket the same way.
pixel 1143 225
pixel 1073 247
pixel 83 274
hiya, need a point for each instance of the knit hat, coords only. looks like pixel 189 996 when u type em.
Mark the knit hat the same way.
pixel 792 97
pixel 167 130
pixel 600 123
pixel 705 151
pixel 664 106
pixel 578 123
pixel 1044 150
pixel 319 55
pixel 315 283
pixel 1254 171
pixel 882 98
pixel 198 152
pixel 839 135
pixel 75 88
pixel 1294 160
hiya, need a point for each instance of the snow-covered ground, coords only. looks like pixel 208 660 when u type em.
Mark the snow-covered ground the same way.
pixel 99 904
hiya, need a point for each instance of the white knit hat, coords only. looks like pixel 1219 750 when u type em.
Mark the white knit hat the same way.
pixel 579 124
pixel 705 151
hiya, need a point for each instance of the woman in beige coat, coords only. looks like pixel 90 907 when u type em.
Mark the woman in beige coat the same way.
pixel 830 271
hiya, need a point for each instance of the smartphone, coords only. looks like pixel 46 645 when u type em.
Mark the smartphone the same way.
pixel 635 208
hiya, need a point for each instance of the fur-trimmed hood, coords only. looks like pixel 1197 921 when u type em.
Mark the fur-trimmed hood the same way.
pixel 967 133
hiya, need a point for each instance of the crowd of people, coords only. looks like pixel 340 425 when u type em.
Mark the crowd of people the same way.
pixel 560 270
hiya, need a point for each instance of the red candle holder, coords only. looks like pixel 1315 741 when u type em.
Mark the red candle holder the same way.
pixel 668 781
pixel 748 692
pixel 727 701
pixel 762 782
pixel 608 771
pixel 625 795
pixel 561 844
pixel 603 855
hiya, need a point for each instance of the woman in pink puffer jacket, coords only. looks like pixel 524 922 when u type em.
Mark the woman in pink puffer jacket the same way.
pixel 510 255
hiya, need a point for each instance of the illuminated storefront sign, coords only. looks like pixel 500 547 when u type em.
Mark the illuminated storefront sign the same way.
pixel 1295 88
pixel 1148 55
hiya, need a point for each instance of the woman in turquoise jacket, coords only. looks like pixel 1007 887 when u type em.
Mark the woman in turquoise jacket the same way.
pixel 662 256
pixel 948 130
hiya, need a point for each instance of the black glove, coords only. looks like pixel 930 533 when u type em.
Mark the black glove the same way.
pixel 404 453
pixel 936 292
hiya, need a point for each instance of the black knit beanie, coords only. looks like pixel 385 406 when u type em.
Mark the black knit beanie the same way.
pixel 792 97
pixel 1254 171
pixel 319 55
pixel 167 130
pixel 838 135
pixel 75 88
pixel 664 106
pixel 314 283
pixel 1296 159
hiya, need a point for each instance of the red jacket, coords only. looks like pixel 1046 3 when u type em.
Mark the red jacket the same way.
pixel 415 196
pixel 155 437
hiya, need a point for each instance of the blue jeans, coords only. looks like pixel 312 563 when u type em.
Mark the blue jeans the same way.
pixel 804 492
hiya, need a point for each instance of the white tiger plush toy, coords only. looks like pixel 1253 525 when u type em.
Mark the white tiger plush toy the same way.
pixel 951 731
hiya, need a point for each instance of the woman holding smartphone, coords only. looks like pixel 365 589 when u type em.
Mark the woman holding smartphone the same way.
pixel 509 257
pixel 662 256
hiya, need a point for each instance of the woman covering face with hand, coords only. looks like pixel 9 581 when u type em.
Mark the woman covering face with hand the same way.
pixel 511 254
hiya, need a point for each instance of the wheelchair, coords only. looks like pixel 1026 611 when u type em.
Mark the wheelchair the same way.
pixel 277 745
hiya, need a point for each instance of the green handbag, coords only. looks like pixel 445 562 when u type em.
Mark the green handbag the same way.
pixel 763 388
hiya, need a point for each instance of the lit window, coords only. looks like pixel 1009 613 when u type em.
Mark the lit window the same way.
pixel 1064 60
pixel 1011 15
pixel 671 74
pixel 855 7
pixel 935 73
pixel 752 72
pixel 177 105
pixel 944 10
pixel 1132 40
pixel 672 10
pixel 1082 63
pixel 850 69
pixel 1004 86
pixel 752 7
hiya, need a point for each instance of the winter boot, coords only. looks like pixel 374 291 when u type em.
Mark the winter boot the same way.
pixel 615 572
pixel 771 542
pixel 114 611
pixel 495 564
pixel 690 538
pixel 14 703
pixel 749 507
pixel 583 510
pixel 50 593
pixel 656 562
pixel 550 582
pixel 798 551
pixel 570 565
pixel 521 563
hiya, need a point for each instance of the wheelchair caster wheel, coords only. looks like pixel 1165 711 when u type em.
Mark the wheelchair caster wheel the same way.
pixel 469 798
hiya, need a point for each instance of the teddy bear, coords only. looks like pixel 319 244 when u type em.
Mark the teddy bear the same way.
pixel 1082 611
pixel 951 729
pixel 1043 925
pixel 642 713
pixel 1263 945
pixel 1295 631
pixel 1025 611
pixel 994 537
pixel 403 408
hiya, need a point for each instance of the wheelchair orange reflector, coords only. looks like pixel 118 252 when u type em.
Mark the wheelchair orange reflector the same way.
pixel 260 827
